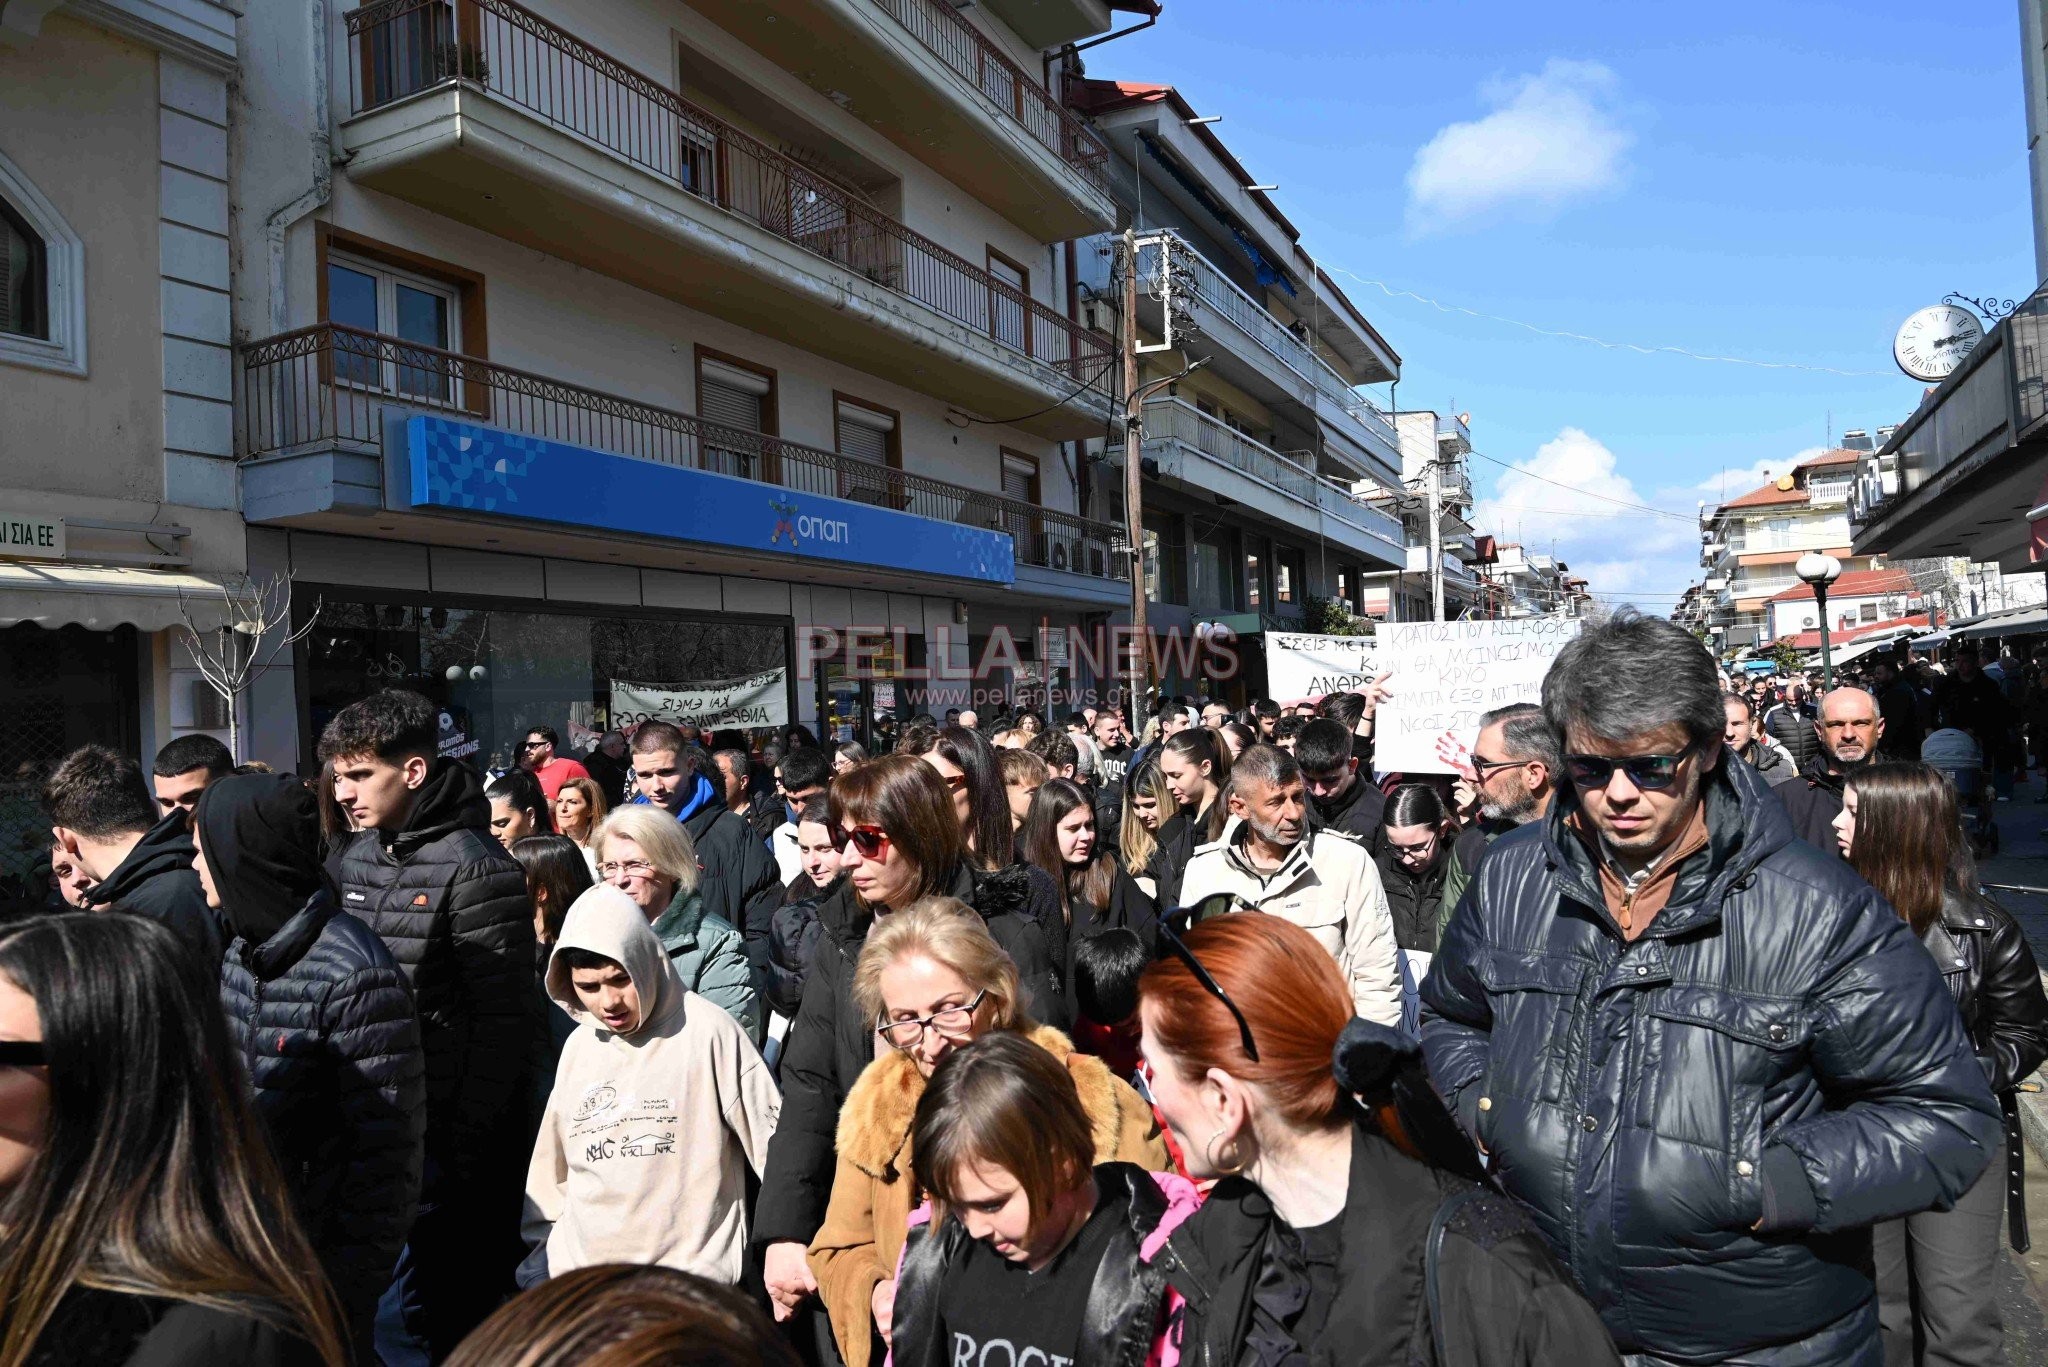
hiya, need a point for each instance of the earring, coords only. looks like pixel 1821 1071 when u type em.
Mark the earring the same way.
pixel 1220 1168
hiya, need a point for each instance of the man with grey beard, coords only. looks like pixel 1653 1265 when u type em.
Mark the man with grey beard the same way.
pixel 1516 766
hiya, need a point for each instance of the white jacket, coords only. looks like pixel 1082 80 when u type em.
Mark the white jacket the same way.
pixel 1329 887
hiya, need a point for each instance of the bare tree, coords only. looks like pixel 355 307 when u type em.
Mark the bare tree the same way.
pixel 255 628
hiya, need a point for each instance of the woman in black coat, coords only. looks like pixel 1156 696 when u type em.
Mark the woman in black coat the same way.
pixel 323 1020
pixel 1937 1272
pixel 900 841
pixel 1348 1223
pixel 1413 854
pixel 1060 839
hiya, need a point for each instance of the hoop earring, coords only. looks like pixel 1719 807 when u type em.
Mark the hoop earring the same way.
pixel 1221 1169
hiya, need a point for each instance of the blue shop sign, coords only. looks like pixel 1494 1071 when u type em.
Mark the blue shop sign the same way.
pixel 467 468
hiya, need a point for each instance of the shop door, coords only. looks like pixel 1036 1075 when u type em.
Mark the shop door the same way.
pixel 64 688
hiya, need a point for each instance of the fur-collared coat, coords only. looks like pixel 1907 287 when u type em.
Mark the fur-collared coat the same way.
pixel 873 1191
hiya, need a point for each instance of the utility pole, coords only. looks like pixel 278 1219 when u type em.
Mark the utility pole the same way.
pixel 1436 553
pixel 1134 516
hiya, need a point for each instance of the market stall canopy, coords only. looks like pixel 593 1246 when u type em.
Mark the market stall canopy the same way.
pixel 2022 622
pixel 102 597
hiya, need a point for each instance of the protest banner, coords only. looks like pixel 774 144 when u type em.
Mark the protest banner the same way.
pixel 1446 675
pixel 755 700
pixel 1310 666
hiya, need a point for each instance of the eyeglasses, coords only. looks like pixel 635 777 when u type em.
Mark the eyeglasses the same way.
pixel 533 745
pixel 22 1053
pixel 1651 773
pixel 1422 851
pixel 951 1021
pixel 869 840
pixel 1215 989
pixel 1483 767
pixel 624 868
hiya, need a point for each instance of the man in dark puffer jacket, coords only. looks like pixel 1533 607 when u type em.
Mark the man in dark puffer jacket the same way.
pixel 1705 1056
pixel 323 1019
pixel 451 905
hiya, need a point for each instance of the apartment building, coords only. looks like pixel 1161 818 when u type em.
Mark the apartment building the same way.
pixel 1520 582
pixel 117 502
pixel 1750 544
pixel 1441 546
pixel 598 357
pixel 1250 461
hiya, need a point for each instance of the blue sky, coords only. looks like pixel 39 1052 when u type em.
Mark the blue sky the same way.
pixel 1781 182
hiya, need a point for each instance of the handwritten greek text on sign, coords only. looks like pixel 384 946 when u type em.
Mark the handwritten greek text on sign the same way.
pixel 756 700
pixel 1310 666
pixel 1446 675
pixel 26 537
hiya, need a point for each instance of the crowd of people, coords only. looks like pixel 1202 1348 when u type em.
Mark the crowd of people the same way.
pixel 1647 1036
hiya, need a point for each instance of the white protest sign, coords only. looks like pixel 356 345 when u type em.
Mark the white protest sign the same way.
pixel 1447 674
pixel 756 700
pixel 1310 666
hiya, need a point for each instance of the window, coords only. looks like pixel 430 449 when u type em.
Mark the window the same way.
pixel 42 280
pixel 1215 585
pixel 1254 581
pixel 1867 612
pixel 1009 287
pixel 1165 559
pixel 734 394
pixel 871 435
pixel 1287 578
pixel 394 303
pixel 1020 484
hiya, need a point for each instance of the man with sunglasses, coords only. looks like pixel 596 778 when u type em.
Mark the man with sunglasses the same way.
pixel 537 756
pixel 1704 1056
pixel 1516 767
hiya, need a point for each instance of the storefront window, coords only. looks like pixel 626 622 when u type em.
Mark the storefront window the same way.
pixel 496 672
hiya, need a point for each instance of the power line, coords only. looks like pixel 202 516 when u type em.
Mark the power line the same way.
pixel 1588 493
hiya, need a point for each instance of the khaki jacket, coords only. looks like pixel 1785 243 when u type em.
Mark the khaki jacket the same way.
pixel 1329 887
pixel 873 1191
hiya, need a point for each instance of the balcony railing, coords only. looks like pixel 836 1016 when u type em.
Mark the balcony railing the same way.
pixel 947 35
pixel 1223 294
pixel 1178 420
pixel 398 48
pixel 330 384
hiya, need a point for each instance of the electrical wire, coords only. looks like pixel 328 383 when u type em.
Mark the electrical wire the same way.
pixel 1040 412
pixel 1587 493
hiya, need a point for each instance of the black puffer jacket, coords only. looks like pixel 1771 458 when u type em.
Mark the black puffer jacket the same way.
pixel 156 880
pixel 1413 899
pixel 1705 1121
pixel 324 1022
pixel 451 906
pixel 829 1043
pixel 793 942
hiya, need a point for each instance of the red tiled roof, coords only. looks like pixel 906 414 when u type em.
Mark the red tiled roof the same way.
pixel 1854 584
pixel 1810 640
pixel 1830 459
pixel 1767 496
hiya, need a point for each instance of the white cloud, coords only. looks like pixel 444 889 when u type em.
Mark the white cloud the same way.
pixel 1546 504
pixel 1735 483
pixel 1551 139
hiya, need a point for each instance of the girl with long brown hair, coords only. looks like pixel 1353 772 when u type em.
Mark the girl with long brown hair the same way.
pixel 1095 893
pixel 144 1217
pixel 1901 827
pixel 1196 768
pixel 1327 1186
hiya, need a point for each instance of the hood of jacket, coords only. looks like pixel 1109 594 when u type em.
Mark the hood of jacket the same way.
pixel 452 799
pixel 874 1124
pixel 164 848
pixel 703 797
pixel 1767 755
pixel 605 921
pixel 261 835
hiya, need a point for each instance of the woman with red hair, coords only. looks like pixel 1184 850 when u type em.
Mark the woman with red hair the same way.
pixel 1346 1223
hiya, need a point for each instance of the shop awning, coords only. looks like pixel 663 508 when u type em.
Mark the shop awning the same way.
pixel 2022 623
pixel 102 597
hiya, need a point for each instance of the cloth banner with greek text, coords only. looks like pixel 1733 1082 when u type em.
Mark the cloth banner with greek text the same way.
pixel 755 700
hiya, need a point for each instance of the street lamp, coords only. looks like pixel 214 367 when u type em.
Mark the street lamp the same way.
pixel 1820 571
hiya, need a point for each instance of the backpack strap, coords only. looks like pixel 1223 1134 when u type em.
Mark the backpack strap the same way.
pixel 1432 1262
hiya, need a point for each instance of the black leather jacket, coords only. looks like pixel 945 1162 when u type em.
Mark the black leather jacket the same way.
pixel 1996 984
pixel 1705 1121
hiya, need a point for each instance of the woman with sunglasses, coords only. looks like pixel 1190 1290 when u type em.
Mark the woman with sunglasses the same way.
pixel 146 1222
pixel 646 854
pixel 1316 1242
pixel 1901 828
pixel 900 841
pixel 931 980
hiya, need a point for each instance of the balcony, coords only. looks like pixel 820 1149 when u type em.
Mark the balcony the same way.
pixel 487 113
pixel 1256 351
pixel 318 408
pixel 1210 457
pixel 928 79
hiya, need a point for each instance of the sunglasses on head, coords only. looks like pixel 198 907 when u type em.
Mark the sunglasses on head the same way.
pixel 1173 942
pixel 22 1053
pixel 869 840
pixel 1651 773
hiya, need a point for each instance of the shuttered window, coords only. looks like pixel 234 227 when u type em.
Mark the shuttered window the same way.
pixel 1006 309
pixel 732 397
pixel 867 435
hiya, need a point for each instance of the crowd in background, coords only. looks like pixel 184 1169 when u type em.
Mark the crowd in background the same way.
pixel 1673 1027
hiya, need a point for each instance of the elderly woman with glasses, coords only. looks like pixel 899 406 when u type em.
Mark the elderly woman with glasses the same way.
pixel 930 980
pixel 646 854
pixel 900 841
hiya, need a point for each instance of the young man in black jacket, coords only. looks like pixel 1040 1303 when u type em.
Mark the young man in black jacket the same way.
pixel 426 875
pixel 1342 795
pixel 324 1022
pixel 105 820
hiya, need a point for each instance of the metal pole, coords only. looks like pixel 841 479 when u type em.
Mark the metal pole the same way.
pixel 1827 660
pixel 1436 553
pixel 1134 520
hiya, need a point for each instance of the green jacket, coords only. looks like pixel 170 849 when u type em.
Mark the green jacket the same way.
pixel 711 959
pixel 1472 842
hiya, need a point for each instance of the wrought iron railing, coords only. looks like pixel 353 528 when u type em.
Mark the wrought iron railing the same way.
pixel 334 385
pixel 944 32
pixel 398 48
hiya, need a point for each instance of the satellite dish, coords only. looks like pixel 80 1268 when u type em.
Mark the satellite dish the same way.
pixel 1785 482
